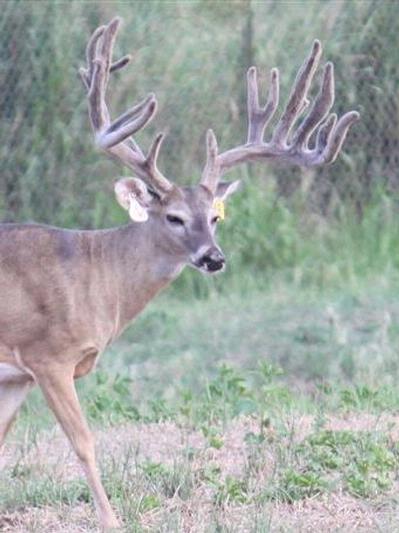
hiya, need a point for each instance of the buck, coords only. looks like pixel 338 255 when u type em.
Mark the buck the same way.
pixel 67 294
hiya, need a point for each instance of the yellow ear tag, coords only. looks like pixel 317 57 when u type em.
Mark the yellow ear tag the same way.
pixel 218 206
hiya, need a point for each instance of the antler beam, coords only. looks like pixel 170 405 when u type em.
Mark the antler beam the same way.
pixel 114 137
pixel 286 145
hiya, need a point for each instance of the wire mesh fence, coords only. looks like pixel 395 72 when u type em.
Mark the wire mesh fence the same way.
pixel 194 56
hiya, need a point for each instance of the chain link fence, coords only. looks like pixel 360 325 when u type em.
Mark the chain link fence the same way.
pixel 194 56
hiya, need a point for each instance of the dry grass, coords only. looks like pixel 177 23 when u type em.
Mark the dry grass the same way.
pixel 328 514
pixel 168 445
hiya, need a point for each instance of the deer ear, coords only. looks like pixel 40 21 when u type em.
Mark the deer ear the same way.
pixel 132 194
pixel 226 188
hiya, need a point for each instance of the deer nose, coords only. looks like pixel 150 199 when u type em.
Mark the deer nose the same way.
pixel 213 259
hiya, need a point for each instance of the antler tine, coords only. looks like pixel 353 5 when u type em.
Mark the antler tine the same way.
pixel 105 47
pixel 324 133
pixel 92 44
pixel 128 123
pixel 210 174
pixel 163 184
pixel 97 53
pixel 115 137
pixel 134 112
pixel 338 135
pixel 87 74
pixel 120 63
pixel 298 94
pixel 259 117
pixel 283 146
pixel 320 109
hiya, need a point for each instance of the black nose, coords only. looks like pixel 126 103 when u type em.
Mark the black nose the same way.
pixel 213 259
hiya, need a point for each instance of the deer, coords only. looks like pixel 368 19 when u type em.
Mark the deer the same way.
pixel 68 294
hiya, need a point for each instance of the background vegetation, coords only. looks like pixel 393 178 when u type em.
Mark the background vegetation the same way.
pixel 288 362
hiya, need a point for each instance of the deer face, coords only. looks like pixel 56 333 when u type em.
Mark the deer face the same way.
pixel 184 220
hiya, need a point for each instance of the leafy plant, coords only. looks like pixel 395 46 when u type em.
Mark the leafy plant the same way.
pixel 362 463
pixel 231 490
pixel 109 399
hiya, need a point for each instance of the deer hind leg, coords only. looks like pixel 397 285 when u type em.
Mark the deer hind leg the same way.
pixel 59 390
pixel 12 396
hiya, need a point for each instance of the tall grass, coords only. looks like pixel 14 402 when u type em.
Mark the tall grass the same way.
pixel 269 239
pixel 194 56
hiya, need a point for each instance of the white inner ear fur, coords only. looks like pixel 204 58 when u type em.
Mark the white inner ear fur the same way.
pixel 132 195
pixel 137 212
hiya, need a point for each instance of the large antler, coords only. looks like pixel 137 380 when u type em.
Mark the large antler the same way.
pixel 284 145
pixel 115 137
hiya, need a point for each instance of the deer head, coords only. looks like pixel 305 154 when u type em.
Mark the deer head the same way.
pixel 183 219
pixel 186 217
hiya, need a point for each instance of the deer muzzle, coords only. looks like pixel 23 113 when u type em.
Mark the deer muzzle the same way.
pixel 211 261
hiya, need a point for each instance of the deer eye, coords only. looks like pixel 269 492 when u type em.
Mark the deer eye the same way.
pixel 215 219
pixel 176 221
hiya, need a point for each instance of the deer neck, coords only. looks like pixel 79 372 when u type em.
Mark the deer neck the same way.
pixel 136 265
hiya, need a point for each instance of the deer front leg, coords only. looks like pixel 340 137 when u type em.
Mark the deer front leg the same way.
pixel 58 387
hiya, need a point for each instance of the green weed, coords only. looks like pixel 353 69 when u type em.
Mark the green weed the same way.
pixel 109 399
pixel 231 490
pixel 361 463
